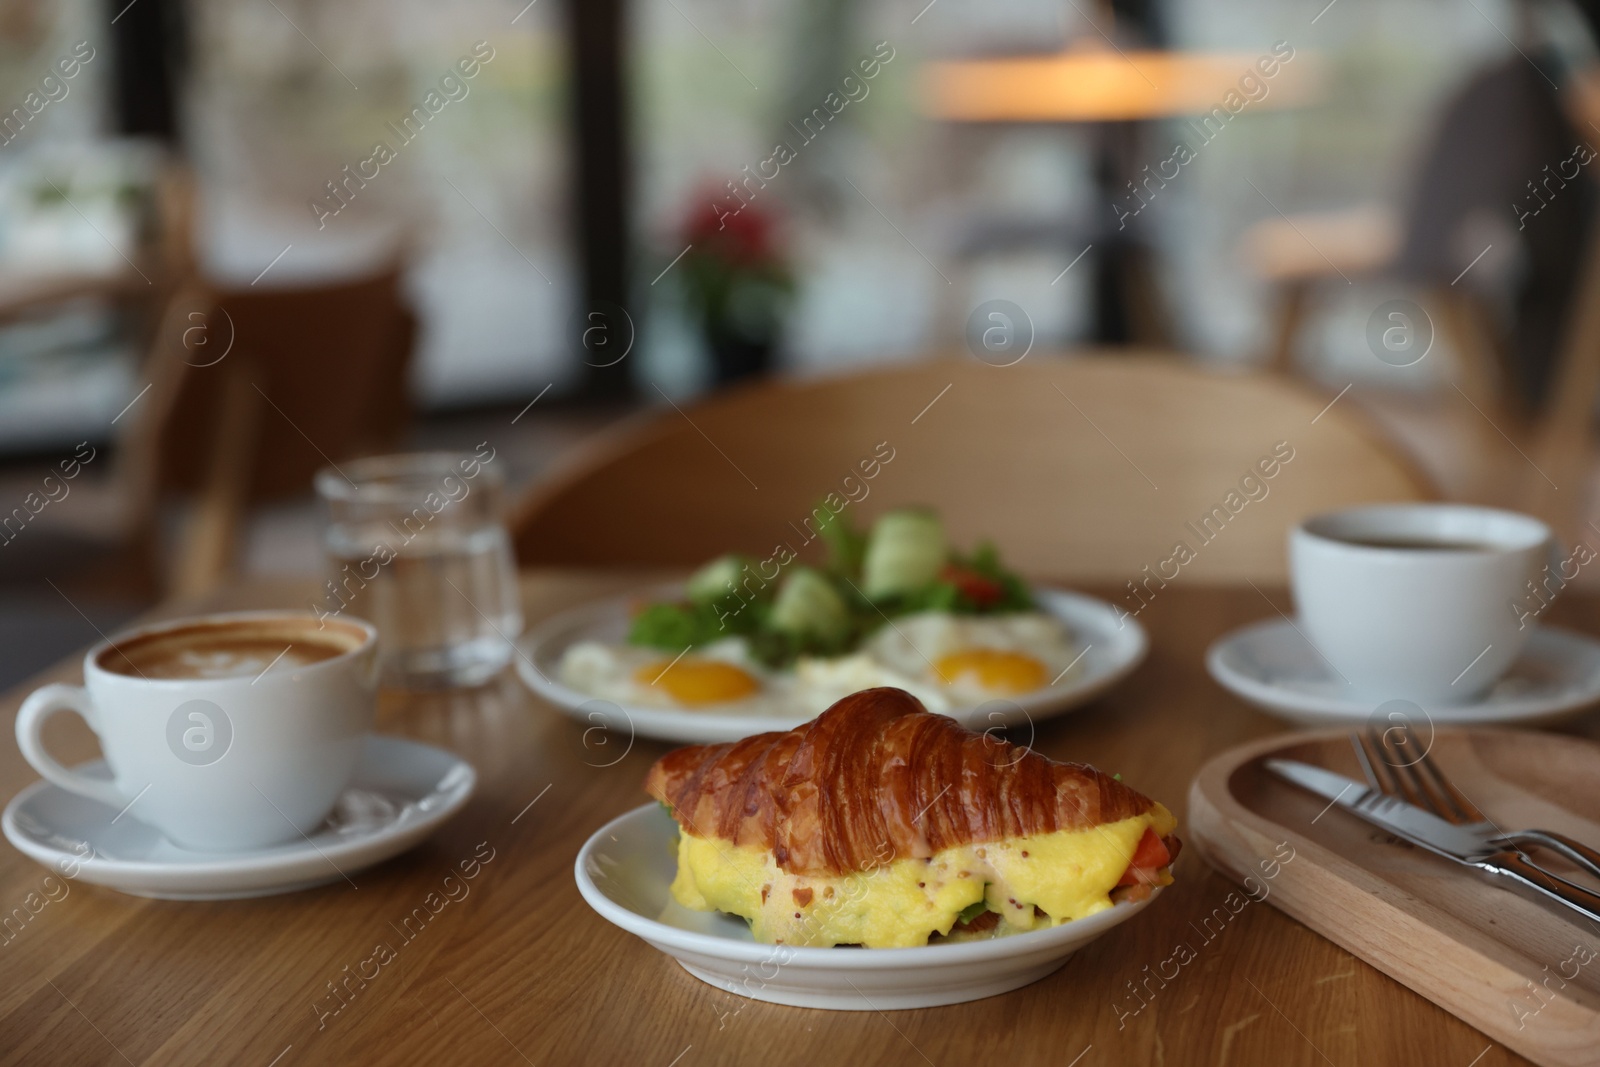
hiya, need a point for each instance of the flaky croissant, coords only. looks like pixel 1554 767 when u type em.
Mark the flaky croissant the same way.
pixel 876 779
pixel 882 825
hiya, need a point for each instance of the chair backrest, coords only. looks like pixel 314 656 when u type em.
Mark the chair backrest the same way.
pixel 1497 147
pixel 329 363
pixel 1505 150
pixel 1085 468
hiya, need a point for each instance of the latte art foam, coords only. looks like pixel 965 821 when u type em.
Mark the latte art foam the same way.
pixel 232 649
pixel 235 659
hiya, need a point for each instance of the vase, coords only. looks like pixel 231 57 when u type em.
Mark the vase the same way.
pixel 736 358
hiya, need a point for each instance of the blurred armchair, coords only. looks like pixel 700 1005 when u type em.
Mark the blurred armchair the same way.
pixel 1495 146
pixel 1494 140
pixel 1022 454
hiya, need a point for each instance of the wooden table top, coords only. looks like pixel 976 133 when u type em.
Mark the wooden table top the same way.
pixel 520 970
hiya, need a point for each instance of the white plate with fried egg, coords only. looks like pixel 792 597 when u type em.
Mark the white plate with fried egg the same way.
pixel 985 671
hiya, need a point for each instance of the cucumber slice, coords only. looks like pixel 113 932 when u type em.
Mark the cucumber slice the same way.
pixel 845 545
pixel 906 551
pixel 716 579
pixel 809 606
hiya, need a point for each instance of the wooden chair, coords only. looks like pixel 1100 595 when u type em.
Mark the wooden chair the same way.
pixel 105 543
pixel 1562 444
pixel 302 377
pixel 1546 469
pixel 1083 469
pixel 310 374
pixel 1296 255
pixel 314 374
pixel 1491 139
pixel 1303 256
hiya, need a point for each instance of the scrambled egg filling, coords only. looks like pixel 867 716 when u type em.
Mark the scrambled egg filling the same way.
pixel 1066 875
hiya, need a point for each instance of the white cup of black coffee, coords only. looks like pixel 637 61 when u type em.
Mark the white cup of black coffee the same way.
pixel 1424 602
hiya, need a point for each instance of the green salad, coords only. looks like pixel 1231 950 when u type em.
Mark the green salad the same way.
pixel 784 609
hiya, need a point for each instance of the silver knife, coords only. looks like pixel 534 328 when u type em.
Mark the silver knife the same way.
pixel 1426 830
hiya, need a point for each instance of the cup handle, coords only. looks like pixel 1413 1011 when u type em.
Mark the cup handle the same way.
pixel 39 706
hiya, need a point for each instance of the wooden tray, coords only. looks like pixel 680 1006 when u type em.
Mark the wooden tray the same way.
pixel 1517 969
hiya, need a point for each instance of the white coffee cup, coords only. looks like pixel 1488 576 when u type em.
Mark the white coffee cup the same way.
pixel 254 757
pixel 1423 602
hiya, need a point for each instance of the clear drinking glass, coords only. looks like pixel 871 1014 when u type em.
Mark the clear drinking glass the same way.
pixel 417 547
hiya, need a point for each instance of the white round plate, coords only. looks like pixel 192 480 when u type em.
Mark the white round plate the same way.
pixel 625 870
pixel 1112 648
pixel 401 791
pixel 1271 665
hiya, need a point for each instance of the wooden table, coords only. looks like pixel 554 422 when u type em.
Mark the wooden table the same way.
pixel 521 971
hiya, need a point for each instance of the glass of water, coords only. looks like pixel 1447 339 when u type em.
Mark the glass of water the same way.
pixel 417 547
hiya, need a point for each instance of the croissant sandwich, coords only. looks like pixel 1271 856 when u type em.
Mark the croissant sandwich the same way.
pixel 881 824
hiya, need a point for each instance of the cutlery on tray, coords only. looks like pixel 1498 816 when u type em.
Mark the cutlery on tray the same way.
pixel 1387 761
pixel 1454 828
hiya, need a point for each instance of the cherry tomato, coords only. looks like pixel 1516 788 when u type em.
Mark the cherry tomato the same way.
pixel 1150 856
pixel 975 587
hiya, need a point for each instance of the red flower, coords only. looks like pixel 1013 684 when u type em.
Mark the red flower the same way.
pixel 723 226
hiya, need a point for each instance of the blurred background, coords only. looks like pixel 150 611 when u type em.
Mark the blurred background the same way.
pixel 243 238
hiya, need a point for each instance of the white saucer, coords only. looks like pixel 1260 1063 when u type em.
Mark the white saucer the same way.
pixel 1113 648
pixel 1272 666
pixel 624 872
pixel 401 791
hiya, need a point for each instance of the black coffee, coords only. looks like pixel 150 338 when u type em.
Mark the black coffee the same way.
pixel 1420 544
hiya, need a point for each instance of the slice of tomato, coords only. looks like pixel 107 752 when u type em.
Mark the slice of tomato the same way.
pixel 972 585
pixel 1149 857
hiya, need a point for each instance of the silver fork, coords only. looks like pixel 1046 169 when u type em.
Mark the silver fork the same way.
pixel 1397 753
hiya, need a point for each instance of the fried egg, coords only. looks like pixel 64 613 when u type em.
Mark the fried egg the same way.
pixel 820 683
pixel 718 675
pixel 694 682
pixel 976 658
pixel 944 660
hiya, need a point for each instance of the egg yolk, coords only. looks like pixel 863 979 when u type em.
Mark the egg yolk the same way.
pixel 992 669
pixel 693 682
